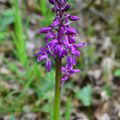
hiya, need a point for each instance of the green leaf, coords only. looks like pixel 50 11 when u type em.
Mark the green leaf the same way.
pixel 6 19
pixel 108 89
pixel 117 73
pixel 85 95
pixel 3 36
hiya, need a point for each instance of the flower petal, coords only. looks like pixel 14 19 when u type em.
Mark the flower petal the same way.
pixel 71 31
pixel 55 23
pixel 65 77
pixel 72 39
pixel 81 44
pixel 49 35
pixel 74 18
pixel 48 65
pixel 71 60
pixel 74 71
pixel 51 1
pixel 44 30
pixel 66 41
pixel 41 58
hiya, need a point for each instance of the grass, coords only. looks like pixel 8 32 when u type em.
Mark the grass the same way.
pixel 43 7
pixel 19 38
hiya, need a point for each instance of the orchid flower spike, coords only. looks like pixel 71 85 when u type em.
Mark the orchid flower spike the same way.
pixel 60 40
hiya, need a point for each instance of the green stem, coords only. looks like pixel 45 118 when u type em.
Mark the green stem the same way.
pixel 56 115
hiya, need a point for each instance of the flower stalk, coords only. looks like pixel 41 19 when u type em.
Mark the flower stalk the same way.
pixel 57 95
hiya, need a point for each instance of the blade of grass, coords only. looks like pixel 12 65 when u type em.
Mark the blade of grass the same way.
pixel 43 7
pixel 19 40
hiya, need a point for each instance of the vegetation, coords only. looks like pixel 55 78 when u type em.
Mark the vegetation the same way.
pixel 26 89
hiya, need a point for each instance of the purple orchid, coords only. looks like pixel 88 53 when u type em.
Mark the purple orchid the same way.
pixel 60 40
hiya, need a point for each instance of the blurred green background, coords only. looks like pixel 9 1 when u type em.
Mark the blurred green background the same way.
pixel 26 89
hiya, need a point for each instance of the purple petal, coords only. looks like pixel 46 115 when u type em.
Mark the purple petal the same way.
pixel 74 18
pixel 53 43
pixel 66 41
pixel 55 23
pixel 71 31
pixel 48 65
pixel 71 60
pixel 51 1
pixel 63 70
pixel 63 52
pixel 67 7
pixel 67 23
pixel 42 51
pixel 77 53
pixel 81 44
pixel 62 31
pixel 72 39
pixel 54 9
pixel 49 35
pixel 65 77
pixel 44 30
pixel 41 58
pixel 57 50
pixel 74 60
pixel 72 50
pixel 74 71
pixel 61 1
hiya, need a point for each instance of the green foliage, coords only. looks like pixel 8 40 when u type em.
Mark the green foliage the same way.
pixel 6 19
pixel 90 31
pixel 12 117
pixel 117 73
pixel 47 85
pixel 68 109
pixel 107 89
pixel 46 12
pixel 88 57
pixel 25 78
pixel 43 7
pixel 85 95
pixel 19 38
pixel 3 36
pixel 117 19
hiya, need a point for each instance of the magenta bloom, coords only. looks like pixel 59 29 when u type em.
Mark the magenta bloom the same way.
pixel 60 40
